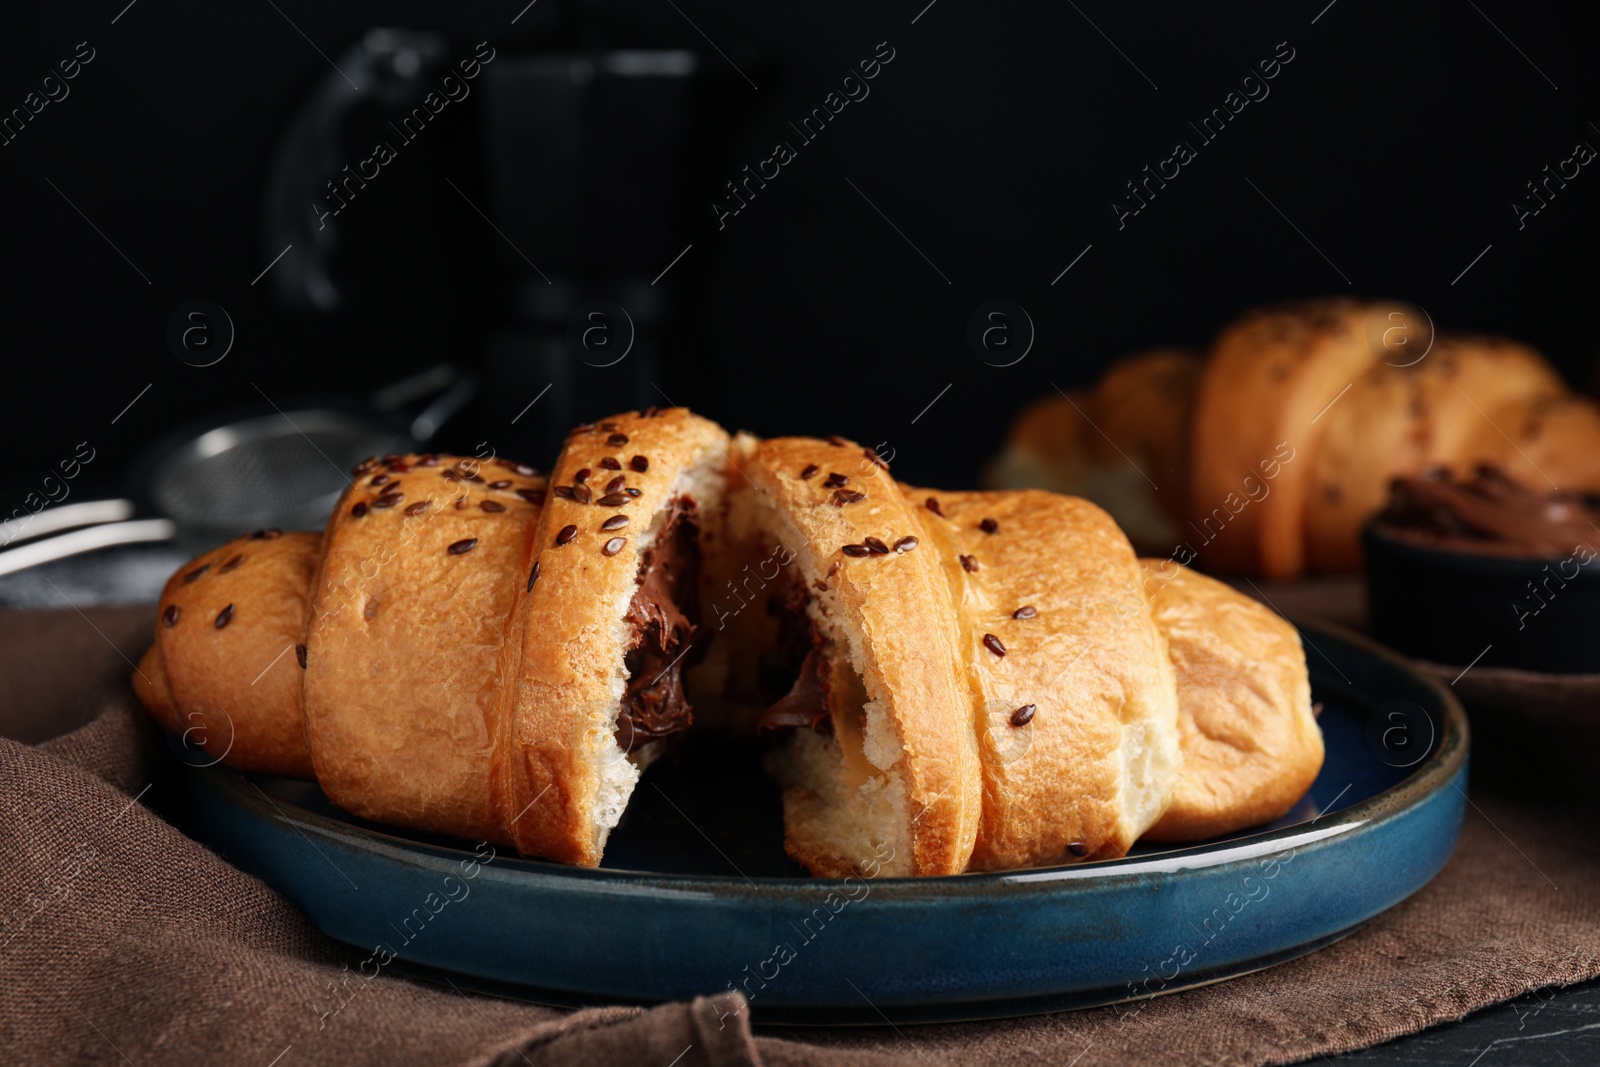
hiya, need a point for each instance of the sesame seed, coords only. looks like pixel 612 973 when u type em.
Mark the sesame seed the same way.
pixel 617 440
pixel 809 472
pixel 933 506
pixel 492 505
pixel 989 526
pixel 532 496
pixel 992 643
pixel 300 655
pixel 1027 611
pixel 358 509
pixel 969 564
pixel 568 532
pixel 463 546
pixel 1023 715
pixel 582 475
pixel 906 544
pixel 231 564
pixel 836 481
pixel 169 618
pixel 418 508
pixel 615 522
pixel 856 550
pixel 610 463
pixel 878 547
pixel 388 500
pixel 533 575
pixel 613 546
pixel 640 463
pixel 614 500
pixel 197 572
pixel 503 483
pixel 581 493
pixel 616 484
pixel 1078 849
pixel 224 617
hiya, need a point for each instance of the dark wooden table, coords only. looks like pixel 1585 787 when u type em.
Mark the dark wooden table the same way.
pixel 1547 1026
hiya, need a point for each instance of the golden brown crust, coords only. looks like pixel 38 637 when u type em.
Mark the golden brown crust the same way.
pixel 1268 383
pixel 1088 658
pixel 1251 745
pixel 409 613
pixel 1125 443
pixel 234 688
pixel 150 686
pixel 570 671
pixel 1375 433
pixel 1490 400
pixel 1470 384
pixel 1446 409
pixel 1053 433
pixel 896 611
pixel 1142 408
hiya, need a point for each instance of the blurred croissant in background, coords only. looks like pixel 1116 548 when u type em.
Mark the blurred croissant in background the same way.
pixel 1267 455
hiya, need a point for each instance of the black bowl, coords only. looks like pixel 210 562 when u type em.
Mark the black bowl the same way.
pixel 1461 607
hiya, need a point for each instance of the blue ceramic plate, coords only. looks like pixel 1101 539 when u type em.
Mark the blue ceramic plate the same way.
pixel 697 895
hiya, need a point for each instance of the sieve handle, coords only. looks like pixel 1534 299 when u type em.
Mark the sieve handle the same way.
pixel 78 542
pixel 65 517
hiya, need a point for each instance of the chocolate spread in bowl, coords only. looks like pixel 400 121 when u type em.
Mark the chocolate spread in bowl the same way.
pixel 1488 513
pixel 663 613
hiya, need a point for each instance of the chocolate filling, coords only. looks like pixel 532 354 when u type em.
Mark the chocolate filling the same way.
pixel 794 674
pixel 1488 513
pixel 664 613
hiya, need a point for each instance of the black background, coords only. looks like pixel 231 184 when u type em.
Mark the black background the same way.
pixel 995 141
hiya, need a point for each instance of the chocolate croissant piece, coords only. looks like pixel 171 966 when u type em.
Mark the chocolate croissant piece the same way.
pixel 952 681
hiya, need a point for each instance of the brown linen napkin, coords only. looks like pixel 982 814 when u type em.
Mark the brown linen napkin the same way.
pixel 122 940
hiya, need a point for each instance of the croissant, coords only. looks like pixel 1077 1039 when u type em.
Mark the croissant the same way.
pixel 957 680
pixel 1292 429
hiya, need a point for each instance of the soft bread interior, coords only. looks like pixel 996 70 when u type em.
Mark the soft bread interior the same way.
pixel 845 794
pixel 702 482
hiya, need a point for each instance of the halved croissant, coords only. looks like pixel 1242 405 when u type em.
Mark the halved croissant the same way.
pixel 965 680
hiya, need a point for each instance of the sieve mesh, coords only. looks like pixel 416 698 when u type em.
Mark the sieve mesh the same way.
pixel 283 471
